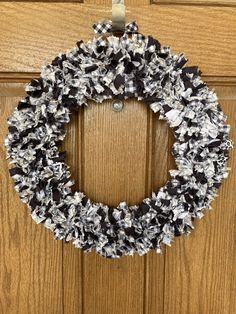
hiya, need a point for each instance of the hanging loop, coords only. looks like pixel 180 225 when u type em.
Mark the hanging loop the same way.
pixel 118 16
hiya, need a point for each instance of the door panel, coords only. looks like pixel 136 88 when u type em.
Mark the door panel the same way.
pixel 114 157
pixel 206 34
pixel 30 276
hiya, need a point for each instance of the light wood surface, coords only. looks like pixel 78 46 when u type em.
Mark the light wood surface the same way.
pixel 219 3
pixel 205 34
pixel 113 157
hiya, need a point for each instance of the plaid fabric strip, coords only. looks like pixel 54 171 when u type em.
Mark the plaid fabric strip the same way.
pixel 125 41
pixel 140 38
pixel 151 87
pixel 106 27
pixel 102 27
pixel 130 88
pixel 131 27
pixel 101 42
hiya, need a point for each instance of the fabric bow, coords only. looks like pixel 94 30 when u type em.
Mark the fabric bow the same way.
pixel 106 27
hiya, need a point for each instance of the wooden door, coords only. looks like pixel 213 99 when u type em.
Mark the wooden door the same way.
pixel 113 158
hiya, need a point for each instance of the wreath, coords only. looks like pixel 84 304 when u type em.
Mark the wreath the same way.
pixel 109 67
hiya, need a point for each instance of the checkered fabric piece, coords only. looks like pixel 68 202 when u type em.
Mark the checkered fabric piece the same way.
pixel 130 88
pixel 101 42
pixel 151 87
pixel 139 38
pixel 131 27
pixel 104 27
pixel 125 41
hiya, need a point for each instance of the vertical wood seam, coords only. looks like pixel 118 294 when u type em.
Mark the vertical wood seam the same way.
pixel 164 282
pixel 62 267
pixel 169 145
pixel 81 183
pixel 148 187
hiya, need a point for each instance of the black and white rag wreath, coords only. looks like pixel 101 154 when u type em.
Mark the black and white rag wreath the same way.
pixel 107 67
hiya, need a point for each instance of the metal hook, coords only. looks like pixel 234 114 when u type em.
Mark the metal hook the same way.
pixel 118 16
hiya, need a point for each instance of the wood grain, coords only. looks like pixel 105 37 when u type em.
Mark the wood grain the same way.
pixel 108 2
pixel 114 159
pixel 40 1
pixel 181 27
pixel 30 261
pixel 220 3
